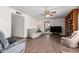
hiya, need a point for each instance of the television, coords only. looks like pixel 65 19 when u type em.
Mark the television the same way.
pixel 57 29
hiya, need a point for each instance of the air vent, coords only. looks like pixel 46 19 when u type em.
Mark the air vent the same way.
pixel 18 13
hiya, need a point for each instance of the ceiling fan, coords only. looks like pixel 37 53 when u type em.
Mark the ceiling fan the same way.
pixel 47 13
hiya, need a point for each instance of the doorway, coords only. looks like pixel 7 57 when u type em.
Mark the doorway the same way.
pixel 46 27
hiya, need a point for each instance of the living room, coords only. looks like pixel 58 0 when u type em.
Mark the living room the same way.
pixel 39 29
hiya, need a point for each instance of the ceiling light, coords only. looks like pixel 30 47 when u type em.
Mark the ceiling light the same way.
pixel 47 16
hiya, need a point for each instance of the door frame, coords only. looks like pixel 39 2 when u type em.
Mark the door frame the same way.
pixel 45 25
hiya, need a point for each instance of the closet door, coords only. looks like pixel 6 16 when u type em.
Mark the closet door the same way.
pixel 17 25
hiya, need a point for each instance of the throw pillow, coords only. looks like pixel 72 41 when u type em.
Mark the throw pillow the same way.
pixel 3 40
pixel 5 43
pixel 11 40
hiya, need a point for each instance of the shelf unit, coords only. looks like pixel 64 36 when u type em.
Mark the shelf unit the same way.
pixel 71 22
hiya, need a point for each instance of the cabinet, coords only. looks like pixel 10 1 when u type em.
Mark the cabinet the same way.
pixel 71 22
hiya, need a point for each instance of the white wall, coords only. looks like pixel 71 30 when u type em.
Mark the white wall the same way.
pixel 5 20
pixel 59 22
pixel 30 22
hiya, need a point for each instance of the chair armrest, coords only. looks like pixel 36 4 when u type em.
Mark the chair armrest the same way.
pixel 64 38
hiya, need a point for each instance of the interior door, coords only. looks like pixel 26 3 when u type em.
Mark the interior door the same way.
pixel 17 25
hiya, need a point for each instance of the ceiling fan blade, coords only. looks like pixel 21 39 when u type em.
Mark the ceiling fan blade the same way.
pixel 53 12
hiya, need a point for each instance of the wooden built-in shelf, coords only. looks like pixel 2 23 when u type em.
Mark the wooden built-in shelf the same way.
pixel 71 22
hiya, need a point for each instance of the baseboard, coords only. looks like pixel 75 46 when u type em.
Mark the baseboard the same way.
pixel 62 35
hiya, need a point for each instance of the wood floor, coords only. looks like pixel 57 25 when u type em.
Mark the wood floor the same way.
pixel 47 44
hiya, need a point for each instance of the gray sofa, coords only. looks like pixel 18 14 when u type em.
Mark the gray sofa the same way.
pixel 15 47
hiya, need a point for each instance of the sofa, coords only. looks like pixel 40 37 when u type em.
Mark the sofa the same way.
pixel 11 47
pixel 34 33
pixel 71 41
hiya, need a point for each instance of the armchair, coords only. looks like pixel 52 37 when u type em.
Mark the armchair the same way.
pixel 71 41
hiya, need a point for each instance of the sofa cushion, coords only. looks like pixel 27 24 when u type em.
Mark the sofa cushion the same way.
pixel 3 40
pixel 11 40
pixel 1 47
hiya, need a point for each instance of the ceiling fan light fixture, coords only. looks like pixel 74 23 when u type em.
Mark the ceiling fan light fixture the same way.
pixel 47 16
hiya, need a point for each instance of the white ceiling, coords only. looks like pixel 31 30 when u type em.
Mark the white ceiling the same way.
pixel 36 11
